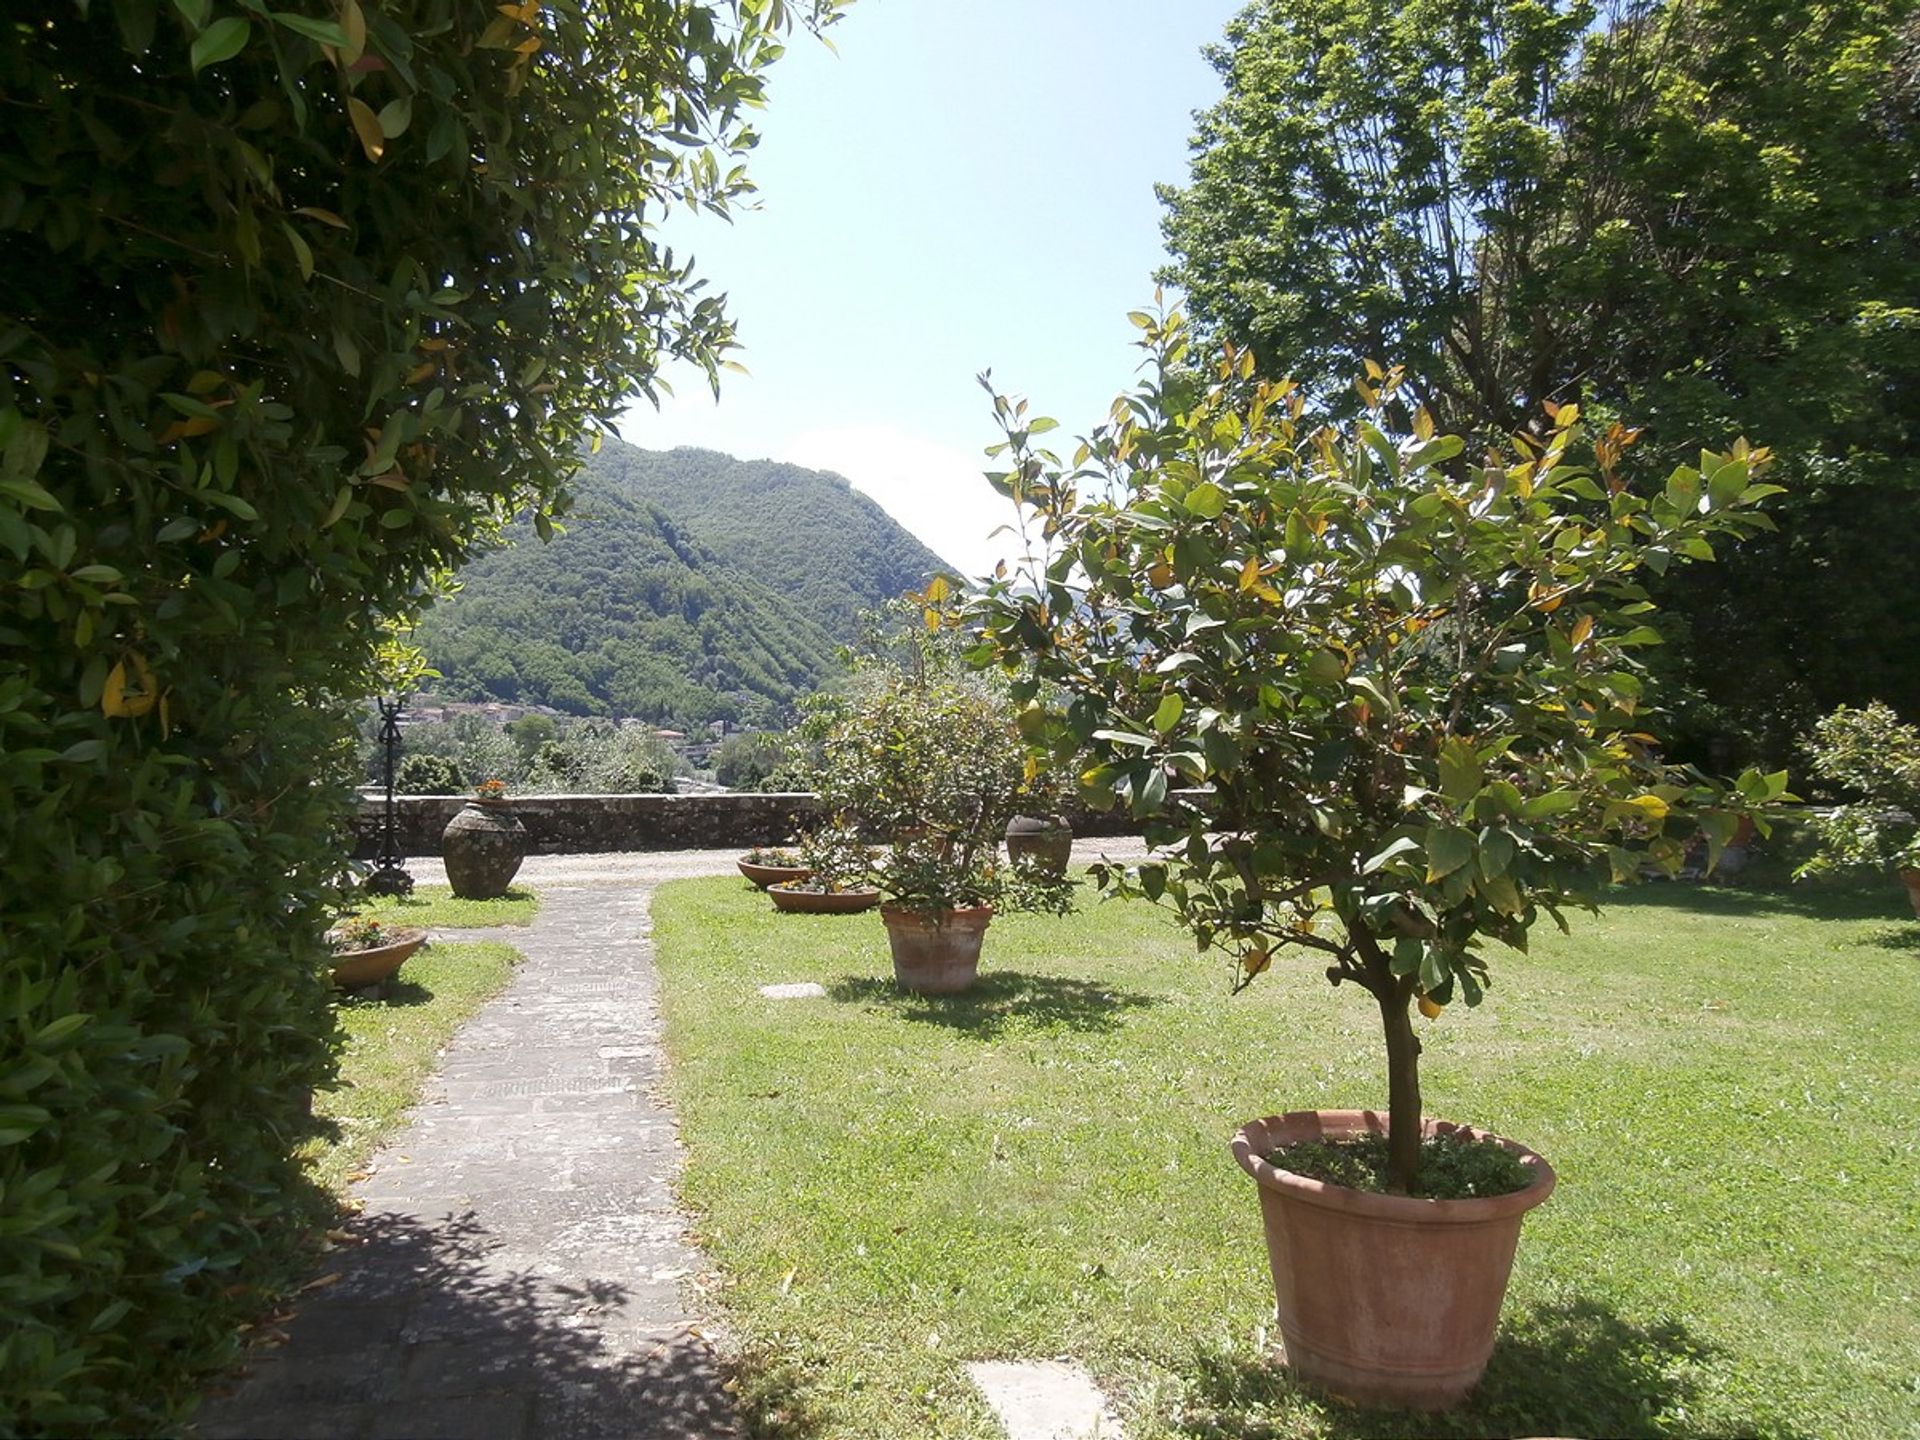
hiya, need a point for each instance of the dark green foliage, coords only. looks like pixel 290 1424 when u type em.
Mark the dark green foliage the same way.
pixel 584 757
pixel 296 305
pixel 745 762
pixel 1450 1169
pixel 688 587
pixel 428 775
pixel 1701 215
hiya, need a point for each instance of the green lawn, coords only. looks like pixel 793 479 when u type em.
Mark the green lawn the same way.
pixel 436 908
pixel 393 1043
pixel 1726 1083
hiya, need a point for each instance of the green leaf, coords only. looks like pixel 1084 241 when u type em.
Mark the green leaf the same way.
pixel 395 116
pixel 1206 500
pixel 222 40
pixel 1554 802
pixel 1168 713
pixel 1460 770
pixel 1496 852
pixel 323 32
pixel 1448 848
pixel 1406 844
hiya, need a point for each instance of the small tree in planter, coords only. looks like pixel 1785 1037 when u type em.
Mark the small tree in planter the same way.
pixel 1874 757
pixel 1405 688
pixel 927 756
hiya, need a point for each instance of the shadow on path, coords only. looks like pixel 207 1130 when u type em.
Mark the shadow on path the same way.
pixel 998 1001
pixel 1567 1369
pixel 425 1330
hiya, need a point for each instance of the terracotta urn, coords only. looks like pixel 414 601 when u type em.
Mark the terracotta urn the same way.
pixel 936 954
pixel 1384 1299
pixel 1044 842
pixel 482 848
pixel 1911 879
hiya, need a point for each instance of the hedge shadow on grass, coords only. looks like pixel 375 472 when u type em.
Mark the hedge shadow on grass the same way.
pixel 1575 1368
pixel 1819 899
pixel 428 1330
pixel 999 1000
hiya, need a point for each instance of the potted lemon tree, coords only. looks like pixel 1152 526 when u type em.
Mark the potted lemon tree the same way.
pixel 1375 702
pixel 924 755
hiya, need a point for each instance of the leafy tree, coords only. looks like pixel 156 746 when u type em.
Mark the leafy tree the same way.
pixel 743 762
pixel 298 303
pixel 1697 213
pixel 1408 684
pixel 1872 759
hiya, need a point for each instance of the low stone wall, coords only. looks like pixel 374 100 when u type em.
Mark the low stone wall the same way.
pixel 600 824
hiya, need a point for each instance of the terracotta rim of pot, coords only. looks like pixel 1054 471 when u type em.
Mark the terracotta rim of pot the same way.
pixel 765 875
pixel 960 917
pixel 825 902
pixel 1257 1138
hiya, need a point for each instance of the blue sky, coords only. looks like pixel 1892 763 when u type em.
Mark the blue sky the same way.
pixel 967 185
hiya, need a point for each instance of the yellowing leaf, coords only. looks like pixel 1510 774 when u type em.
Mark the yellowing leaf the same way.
pixel 366 125
pixel 937 590
pixel 129 693
pixel 421 372
pixel 325 217
pixel 1582 628
pixel 1250 572
pixel 1256 961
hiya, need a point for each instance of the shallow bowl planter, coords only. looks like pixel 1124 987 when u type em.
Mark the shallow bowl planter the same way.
pixel 822 902
pixel 937 954
pixel 353 969
pixel 765 875
pixel 1384 1299
pixel 482 848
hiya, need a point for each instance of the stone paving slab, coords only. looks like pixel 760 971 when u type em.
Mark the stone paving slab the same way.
pixel 1044 1400
pixel 521 1268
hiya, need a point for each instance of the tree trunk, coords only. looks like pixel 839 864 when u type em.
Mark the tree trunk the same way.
pixel 1403 1085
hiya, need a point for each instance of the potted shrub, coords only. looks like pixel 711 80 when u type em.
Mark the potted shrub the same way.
pixel 366 952
pixel 834 882
pixel 483 844
pixel 1874 758
pixel 926 755
pixel 1376 704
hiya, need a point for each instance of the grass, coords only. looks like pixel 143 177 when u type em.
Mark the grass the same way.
pixel 1724 1081
pixel 393 1043
pixel 435 907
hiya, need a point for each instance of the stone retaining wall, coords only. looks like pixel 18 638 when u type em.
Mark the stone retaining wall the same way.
pixel 599 824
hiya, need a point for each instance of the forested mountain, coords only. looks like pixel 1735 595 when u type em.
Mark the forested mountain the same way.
pixel 687 587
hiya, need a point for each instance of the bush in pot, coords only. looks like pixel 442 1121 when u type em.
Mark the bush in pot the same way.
pixel 1406 686
pixel 1874 759
pixel 927 756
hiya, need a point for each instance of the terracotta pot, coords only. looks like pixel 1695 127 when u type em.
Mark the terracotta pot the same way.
pixel 482 848
pixel 938 954
pixel 1046 843
pixel 823 902
pixel 1911 879
pixel 1384 1299
pixel 355 968
pixel 765 875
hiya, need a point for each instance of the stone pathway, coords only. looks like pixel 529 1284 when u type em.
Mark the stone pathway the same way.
pixel 520 1263
pixel 521 1268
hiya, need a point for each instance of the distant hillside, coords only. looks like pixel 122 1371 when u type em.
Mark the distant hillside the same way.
pixel 687 587
pixel 806 533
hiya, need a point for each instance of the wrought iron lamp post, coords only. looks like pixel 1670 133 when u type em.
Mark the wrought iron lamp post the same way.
pixel 391 878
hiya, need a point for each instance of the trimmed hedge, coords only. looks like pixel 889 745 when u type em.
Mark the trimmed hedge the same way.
pixel 298 304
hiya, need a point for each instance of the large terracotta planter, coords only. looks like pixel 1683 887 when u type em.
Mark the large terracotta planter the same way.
pixel 1044 842
pixel 765 875
pixel 482 848
pixel 1911 879
pixel 353 969
pixel 1384 1299
pixel 937 954
pixel 822 902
